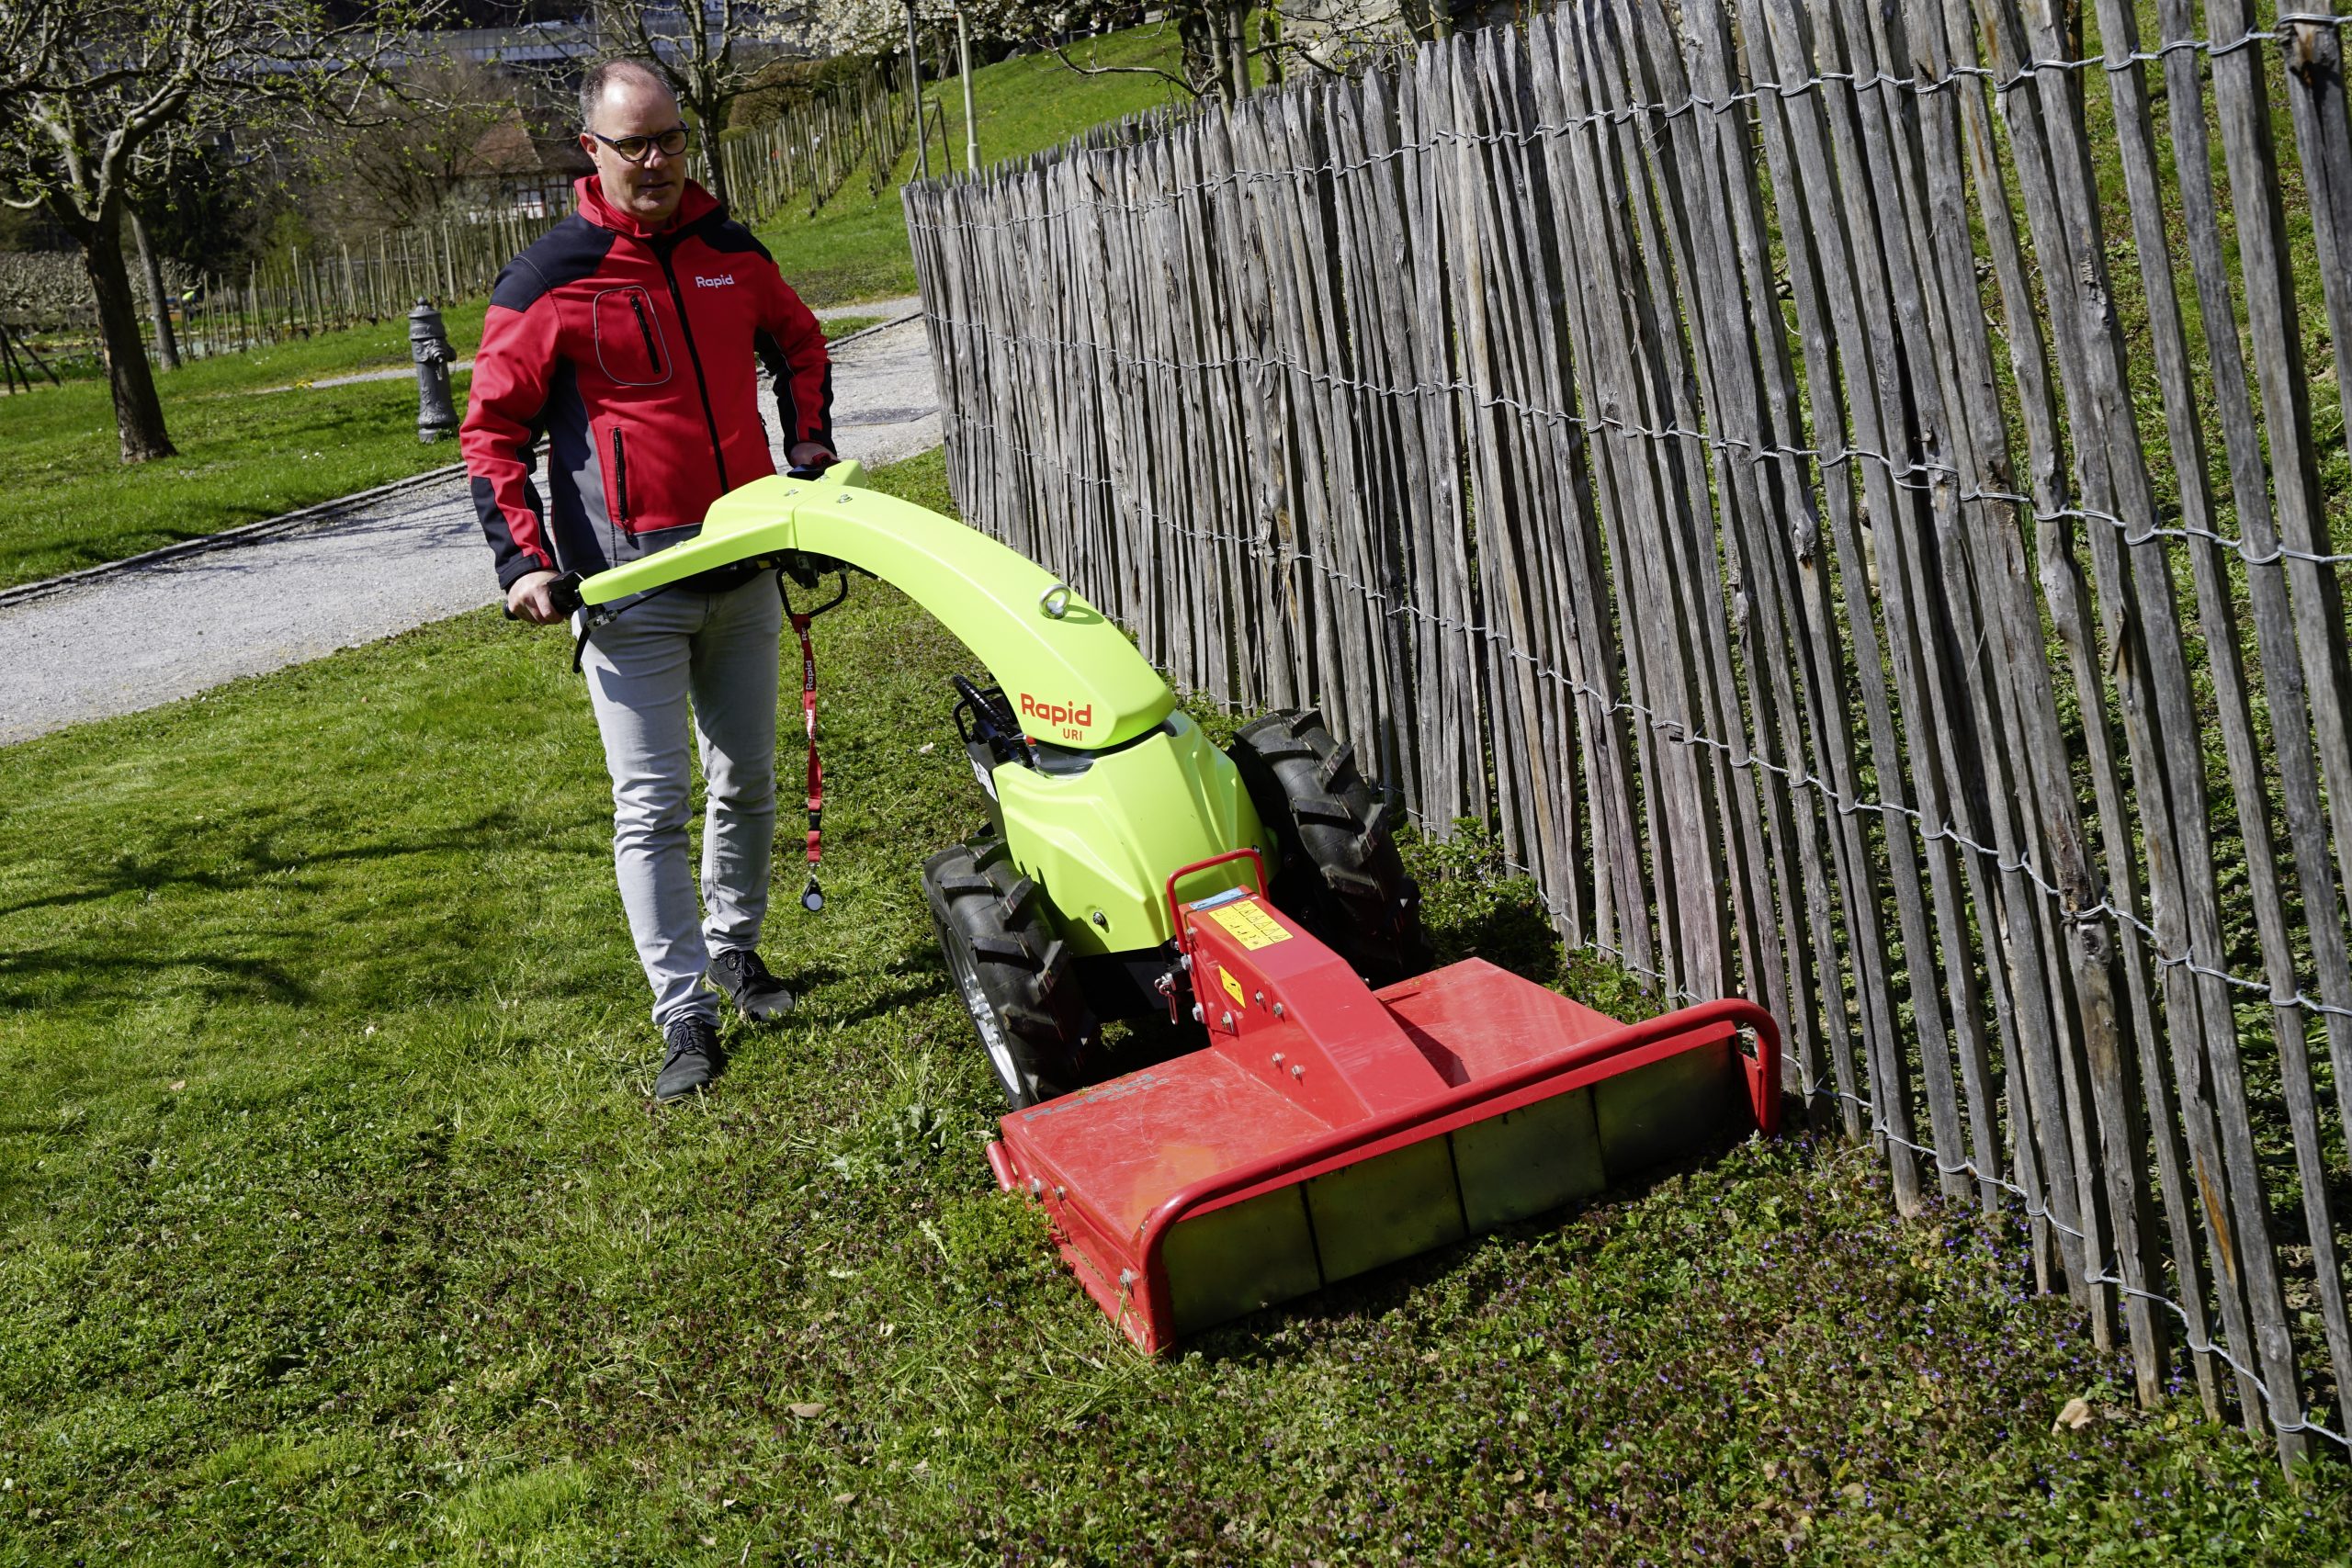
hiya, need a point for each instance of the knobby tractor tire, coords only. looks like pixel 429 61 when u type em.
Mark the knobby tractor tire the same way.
pixel 1015 976
pixel 1339 873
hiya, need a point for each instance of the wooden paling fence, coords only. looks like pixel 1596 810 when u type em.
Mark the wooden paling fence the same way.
pixel 1837 487
pixel 326 287
pixel 809 151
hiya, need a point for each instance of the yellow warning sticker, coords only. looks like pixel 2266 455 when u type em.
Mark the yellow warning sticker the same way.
pixel 1233 989
pixel 1248 924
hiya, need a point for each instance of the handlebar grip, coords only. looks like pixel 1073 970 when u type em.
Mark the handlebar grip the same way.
pixel 563 593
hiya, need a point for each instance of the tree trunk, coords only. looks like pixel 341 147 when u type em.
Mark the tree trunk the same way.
pixel 159 304
pixel 1216 49
pixel 137 413
pixel 1198 35
pixel 715 166
pixel 710 113
pixel 1236 52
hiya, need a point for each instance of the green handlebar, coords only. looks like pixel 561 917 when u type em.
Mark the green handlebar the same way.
pixel 1072 677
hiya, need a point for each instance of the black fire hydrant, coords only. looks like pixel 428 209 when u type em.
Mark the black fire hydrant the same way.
pixel 428 344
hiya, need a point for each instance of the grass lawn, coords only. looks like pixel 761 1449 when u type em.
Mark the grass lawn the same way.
pixel 842 326
pixel 337 1226
pixel 248 449
pixel 855 248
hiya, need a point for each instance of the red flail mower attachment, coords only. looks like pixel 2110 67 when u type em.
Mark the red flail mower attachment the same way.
pixel 1330 1128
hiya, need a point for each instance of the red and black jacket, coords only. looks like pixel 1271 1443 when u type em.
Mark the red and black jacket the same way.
pixel 637 354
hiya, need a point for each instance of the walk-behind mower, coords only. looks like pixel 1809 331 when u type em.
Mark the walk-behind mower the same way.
pixel 1348 1110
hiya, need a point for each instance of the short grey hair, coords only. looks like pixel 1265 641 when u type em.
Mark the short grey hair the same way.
pixel 605 72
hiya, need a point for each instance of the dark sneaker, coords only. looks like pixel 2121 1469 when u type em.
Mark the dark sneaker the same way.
pixel 738 974
pixel 694 1058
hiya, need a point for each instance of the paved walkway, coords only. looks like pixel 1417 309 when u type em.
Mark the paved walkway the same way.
pixel 889 309
pixel 146 632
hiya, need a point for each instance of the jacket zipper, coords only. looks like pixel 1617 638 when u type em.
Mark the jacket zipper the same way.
pixel 653 354
pixel 694 358
pixel 620 477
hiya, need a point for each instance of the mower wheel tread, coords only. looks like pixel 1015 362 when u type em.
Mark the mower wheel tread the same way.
pixel 1329 809
pixel 1339 873
pixel 1017 901
pixel 1336 772
pixel 1004 949
pixel 1275 748
pixel 1029 1020
pixel 1015 976
pixel 1355 884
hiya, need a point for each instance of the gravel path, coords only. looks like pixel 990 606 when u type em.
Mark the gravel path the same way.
pixel 151 630
pixel 403 373
pixel 902 305
pixel 889 309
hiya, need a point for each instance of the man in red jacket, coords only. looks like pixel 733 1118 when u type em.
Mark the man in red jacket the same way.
pixel 630 338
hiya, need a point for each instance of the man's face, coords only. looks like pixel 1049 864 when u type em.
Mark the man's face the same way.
pixel 646 191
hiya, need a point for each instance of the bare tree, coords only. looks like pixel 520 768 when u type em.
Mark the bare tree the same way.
pixel 159 299
pixel 711 53
pixel 90 87
pixel 418 143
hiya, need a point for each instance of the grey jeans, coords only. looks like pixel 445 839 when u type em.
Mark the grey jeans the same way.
pixel 716 653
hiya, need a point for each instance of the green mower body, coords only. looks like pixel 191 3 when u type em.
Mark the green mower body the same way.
pixel 1351 1104
pixel 1098 785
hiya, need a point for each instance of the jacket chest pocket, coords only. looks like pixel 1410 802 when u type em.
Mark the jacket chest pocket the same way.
pixel 630 348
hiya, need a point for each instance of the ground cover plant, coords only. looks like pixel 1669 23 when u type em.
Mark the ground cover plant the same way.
pixel 255 439
pixel 855 246
pixel 338 1227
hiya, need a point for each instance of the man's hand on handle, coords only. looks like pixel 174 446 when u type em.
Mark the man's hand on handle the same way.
pixel 533 599
pixel 536 595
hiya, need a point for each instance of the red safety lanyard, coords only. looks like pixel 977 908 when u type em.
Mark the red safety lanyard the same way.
pixel 811 898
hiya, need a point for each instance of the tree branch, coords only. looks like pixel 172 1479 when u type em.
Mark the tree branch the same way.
pixel 1058 52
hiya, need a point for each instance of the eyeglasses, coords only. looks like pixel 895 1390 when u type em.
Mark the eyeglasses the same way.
pixel 637 149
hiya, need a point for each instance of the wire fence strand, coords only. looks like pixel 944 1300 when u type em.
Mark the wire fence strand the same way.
pixel 2028 75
